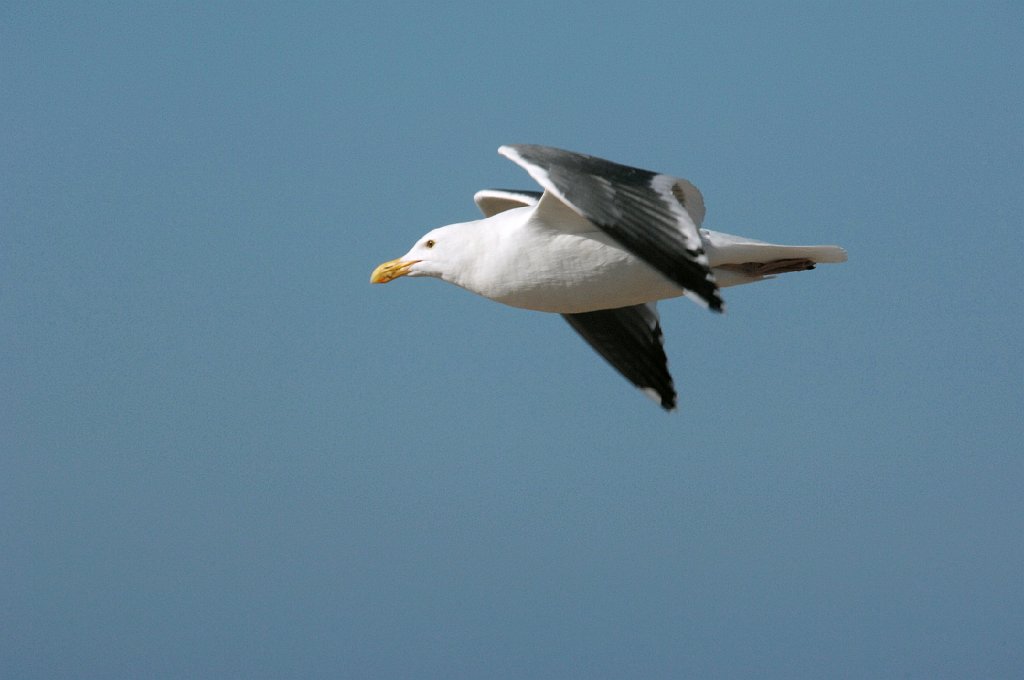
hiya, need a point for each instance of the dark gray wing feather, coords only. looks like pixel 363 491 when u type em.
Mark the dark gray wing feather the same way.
pixel 630 339
pixel 643 211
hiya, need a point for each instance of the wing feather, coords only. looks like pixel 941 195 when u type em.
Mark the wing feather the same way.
pixel 493 201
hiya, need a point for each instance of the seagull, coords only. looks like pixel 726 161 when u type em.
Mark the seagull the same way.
pixel 600 245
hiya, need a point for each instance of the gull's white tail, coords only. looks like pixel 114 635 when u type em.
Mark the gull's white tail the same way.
pixel 738 260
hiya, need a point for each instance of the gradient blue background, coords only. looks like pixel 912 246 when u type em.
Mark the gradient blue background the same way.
pixel 225 454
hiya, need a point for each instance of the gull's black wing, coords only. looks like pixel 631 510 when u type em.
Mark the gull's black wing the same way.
pixel 630 339
pixel 648 213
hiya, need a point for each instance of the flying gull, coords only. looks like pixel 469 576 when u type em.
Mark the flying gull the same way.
pixel 600 245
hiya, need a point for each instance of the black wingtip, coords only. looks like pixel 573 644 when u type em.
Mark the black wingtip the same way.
pixel 713 299
pixel 707 293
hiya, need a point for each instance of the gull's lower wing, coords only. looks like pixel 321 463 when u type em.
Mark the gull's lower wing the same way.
pixel 630 339
pixel 493 201
pixel 646 212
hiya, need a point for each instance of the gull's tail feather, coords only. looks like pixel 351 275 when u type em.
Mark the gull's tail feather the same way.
pixel 737 260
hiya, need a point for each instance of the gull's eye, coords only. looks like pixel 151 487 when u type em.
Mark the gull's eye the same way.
pixel 430 243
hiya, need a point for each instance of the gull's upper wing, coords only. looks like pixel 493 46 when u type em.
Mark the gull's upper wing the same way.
pixel 648 213
pixel 630 339
pixel 493 201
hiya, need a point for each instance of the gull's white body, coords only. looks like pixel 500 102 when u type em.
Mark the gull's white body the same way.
pixel 554 270
pixel 567 265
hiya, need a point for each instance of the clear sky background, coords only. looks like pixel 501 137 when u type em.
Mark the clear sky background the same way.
pixel 223 453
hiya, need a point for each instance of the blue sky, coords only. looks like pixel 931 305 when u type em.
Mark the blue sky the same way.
pixel 225 454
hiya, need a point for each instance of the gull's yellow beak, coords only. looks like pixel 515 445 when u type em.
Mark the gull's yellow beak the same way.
pixel 391 270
